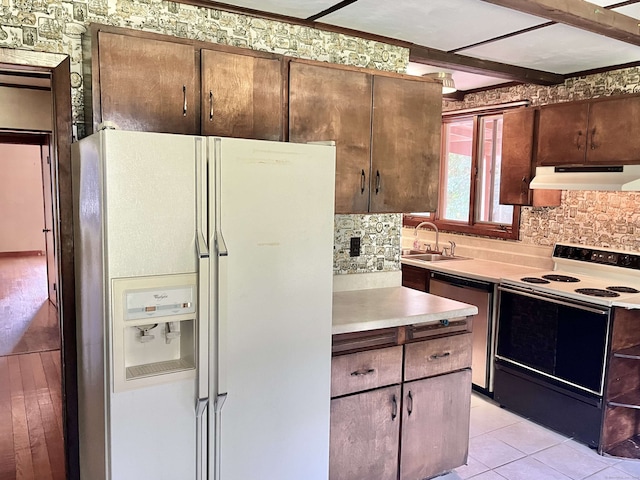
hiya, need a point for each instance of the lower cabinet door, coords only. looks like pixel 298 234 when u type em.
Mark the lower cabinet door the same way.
pixel 435 425
pixel 365 430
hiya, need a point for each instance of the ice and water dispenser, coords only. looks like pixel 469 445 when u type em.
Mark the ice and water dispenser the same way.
pixel 154 324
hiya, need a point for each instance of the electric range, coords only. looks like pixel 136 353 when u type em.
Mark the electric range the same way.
pixel 587 274
pixel 553 335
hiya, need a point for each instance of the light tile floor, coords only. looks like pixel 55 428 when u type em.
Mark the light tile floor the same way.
pixel 503 445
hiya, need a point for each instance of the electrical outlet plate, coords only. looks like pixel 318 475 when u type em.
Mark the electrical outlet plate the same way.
pixel 354 247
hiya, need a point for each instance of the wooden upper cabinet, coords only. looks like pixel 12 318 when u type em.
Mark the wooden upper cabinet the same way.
pixel 613 130
pixel 517 156
pixel 146 84
pixel 328 103
pixel 518 162
pixel 593 132
pixel 241 95
pixel 562 134
pixel 405 152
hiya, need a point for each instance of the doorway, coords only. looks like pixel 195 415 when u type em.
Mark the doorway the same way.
pixel 30 339
pixel 47 377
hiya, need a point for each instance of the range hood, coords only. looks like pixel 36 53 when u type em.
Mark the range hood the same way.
pixel 625 178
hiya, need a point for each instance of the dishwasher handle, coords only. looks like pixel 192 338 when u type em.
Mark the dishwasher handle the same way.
pixel 462 282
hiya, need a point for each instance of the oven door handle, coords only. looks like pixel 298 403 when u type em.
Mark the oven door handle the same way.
pixel 553 300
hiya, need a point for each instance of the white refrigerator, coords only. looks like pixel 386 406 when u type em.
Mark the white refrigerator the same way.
pixel 203 288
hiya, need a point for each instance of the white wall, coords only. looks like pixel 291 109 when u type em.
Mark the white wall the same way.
pixel 25 109
pixel 21 202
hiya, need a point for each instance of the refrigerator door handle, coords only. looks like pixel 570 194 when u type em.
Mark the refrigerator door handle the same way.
pixel 221 280
pixel 202 370
pixel 202 415
pixel 218 435
pixel 203 319
pixel 221 245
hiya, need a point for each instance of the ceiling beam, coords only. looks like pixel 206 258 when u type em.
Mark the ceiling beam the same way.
pixel 454 61
pixel 580 14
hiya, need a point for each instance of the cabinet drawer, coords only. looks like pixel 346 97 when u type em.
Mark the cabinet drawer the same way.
pixel 366 370
pixel 437 356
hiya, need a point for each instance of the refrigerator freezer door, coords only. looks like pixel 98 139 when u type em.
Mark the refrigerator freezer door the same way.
pixel 135 217
pixel 274 327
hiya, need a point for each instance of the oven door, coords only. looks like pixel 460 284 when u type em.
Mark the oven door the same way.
pixel 553 337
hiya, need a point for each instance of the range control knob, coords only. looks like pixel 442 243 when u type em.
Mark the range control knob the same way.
pixel 625 260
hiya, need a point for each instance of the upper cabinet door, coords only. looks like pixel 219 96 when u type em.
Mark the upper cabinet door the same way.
pixel 335 104
pixel 241 96
pixel 613 131
pixel 518 163
pixel 147 85
pixel 562 134
pixel 517 156
pixel 405 152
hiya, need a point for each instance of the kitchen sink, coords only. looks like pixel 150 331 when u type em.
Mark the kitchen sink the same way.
pixel 432 257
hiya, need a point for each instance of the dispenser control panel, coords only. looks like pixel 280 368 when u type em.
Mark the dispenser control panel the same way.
pixel 161 302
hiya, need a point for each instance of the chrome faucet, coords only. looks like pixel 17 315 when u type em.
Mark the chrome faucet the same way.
pixel 415 232
pixel 452 250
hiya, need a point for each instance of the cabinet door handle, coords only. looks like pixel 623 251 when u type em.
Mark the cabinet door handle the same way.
pixel 184 100
pixel 377 181
pixel 363 178
pixel 436 356
pixel 409 403
pixel 394 410
pixel 363 372
pixel 594 145
pixel 210 105
pixel 578 138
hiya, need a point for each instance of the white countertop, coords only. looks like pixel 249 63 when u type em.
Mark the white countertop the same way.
pixel 370 309
pixel 484 270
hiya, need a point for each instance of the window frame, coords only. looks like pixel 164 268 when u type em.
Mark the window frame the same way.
pixel 471 226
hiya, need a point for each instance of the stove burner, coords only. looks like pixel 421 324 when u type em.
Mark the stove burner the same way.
pixel 623 289
pixel 534 280
pixel 597 292
pixel 561 278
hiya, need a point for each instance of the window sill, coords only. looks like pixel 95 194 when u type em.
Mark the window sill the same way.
pixel 506 232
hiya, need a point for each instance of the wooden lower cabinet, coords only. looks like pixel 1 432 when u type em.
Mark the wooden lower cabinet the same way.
pixel 401 412
pixel 365 429
pixel 415 277
pixel 620 434
pixel 435 425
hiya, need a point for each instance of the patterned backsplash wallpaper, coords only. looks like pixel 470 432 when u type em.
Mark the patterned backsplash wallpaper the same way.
pixel 379 243
pixel 604 219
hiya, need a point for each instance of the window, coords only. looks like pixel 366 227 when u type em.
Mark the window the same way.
pixel 470 179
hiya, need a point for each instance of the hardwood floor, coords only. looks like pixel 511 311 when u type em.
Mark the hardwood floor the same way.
pixel 31 429
pixel 28 320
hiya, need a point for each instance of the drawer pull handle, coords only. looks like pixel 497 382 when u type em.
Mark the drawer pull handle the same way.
pixel 361 373
pixel 409 403
pixel 394 410
pixel 436 356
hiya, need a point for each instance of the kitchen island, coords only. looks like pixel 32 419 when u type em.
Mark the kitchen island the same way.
pixel 400 384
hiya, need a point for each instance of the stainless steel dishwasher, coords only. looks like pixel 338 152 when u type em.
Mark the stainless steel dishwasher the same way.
pixel 480 294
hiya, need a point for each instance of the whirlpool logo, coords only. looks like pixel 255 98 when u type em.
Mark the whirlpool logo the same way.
pixel 160 296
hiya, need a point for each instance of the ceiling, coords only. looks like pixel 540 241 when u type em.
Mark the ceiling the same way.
pixel 483 43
